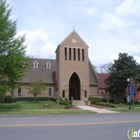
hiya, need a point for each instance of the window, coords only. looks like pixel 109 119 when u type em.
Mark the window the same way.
pixel 50 91
pixel 48 65
pixel 85 93
pixel 83 55
pixel 78 54
pixel 69 53
pixel 35 64
pixel 74 54
pixel 65 54
pixel 63 93
pixel 19 92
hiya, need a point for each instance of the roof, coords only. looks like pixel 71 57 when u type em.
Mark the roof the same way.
pixel 75 35
pixel 93 78
pixel 102 77
pixel 47 75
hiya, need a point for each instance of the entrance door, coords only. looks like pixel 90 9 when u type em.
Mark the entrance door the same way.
pixel 71 94
pixel 74 87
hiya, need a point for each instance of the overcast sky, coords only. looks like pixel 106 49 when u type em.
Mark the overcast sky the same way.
pixel 107 26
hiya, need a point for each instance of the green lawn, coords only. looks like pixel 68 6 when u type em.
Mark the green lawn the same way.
pixel 25 107
pixel 125 107
pixel 29 105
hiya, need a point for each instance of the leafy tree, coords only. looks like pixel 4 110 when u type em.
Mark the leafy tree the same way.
pixel 13 60
pixel 36 87
pixel 123 68
pixel 105 67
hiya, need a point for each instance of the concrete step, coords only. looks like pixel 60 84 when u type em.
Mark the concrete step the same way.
pixel 78 103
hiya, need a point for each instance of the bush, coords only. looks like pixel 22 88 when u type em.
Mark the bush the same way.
pixel 107 104
pixel 64 102
pixel 94 100
pixel 8 99
pixel 68 106
pixel 33 99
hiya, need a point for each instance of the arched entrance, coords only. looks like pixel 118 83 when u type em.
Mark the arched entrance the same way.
pixel 74 87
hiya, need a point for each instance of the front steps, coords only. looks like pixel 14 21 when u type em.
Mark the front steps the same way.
pixel 78 103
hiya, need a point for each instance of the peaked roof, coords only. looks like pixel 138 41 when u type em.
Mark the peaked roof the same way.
pixel 47 75
pixel 73 33
pixel 102 78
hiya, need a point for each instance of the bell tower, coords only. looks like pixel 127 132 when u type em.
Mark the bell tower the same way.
pixel 72 67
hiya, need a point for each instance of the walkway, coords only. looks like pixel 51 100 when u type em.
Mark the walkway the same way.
pixel 98 110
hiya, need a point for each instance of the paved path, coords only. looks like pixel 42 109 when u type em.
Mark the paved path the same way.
pixel 98 110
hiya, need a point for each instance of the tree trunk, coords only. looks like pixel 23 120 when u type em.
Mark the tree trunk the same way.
pixel 35 98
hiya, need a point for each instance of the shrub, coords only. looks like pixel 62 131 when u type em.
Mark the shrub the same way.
pixel 8 99
pixel 68 106
pixel 107 104
pixel 94 100
pixel 32 99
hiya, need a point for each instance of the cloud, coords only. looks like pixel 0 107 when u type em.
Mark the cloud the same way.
pixel 38 45
pixel 125 16
pixel 111 22
pixel 91 11
pixel 128 8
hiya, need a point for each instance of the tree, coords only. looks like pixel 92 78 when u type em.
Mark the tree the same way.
pixel 13 60
pixel 105 67
pixel 36 87
pixel 123 68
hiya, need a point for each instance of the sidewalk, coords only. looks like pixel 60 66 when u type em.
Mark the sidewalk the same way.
pixel 98 110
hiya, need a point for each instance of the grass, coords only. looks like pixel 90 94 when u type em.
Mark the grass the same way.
pixel 25 107
pixel 125 107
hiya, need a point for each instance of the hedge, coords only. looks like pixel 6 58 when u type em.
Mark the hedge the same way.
pixel 15 99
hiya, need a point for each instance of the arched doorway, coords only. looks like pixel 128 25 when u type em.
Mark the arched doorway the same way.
pixel 74 87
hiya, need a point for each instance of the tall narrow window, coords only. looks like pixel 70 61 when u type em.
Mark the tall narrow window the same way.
pixel 50 91
pixel 78 54
pixel 83 55
pixel 85 94
pixel 63 93
pixel 19 92
pixel 74 54
pixel 69 53
pixel 65 54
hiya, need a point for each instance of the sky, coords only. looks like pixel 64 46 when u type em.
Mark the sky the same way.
pixel 108 27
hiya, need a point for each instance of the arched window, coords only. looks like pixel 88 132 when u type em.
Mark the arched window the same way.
pixel 35 64
pixel 50 91
pixel 48 65
pixel 19 92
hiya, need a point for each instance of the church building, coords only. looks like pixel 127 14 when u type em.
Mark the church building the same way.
pixel 70 75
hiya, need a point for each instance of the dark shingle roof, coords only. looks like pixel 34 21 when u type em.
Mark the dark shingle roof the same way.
pixel 93 78
pixel 102 77
pixel 48 75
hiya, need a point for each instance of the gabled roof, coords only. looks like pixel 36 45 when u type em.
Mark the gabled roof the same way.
pixel 102 77
pixel 93 77
pixel 47 75
pixel 75 34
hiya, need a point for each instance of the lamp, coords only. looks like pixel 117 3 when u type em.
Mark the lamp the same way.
pixel 83 88
pixel 66 88
pixel 128 80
